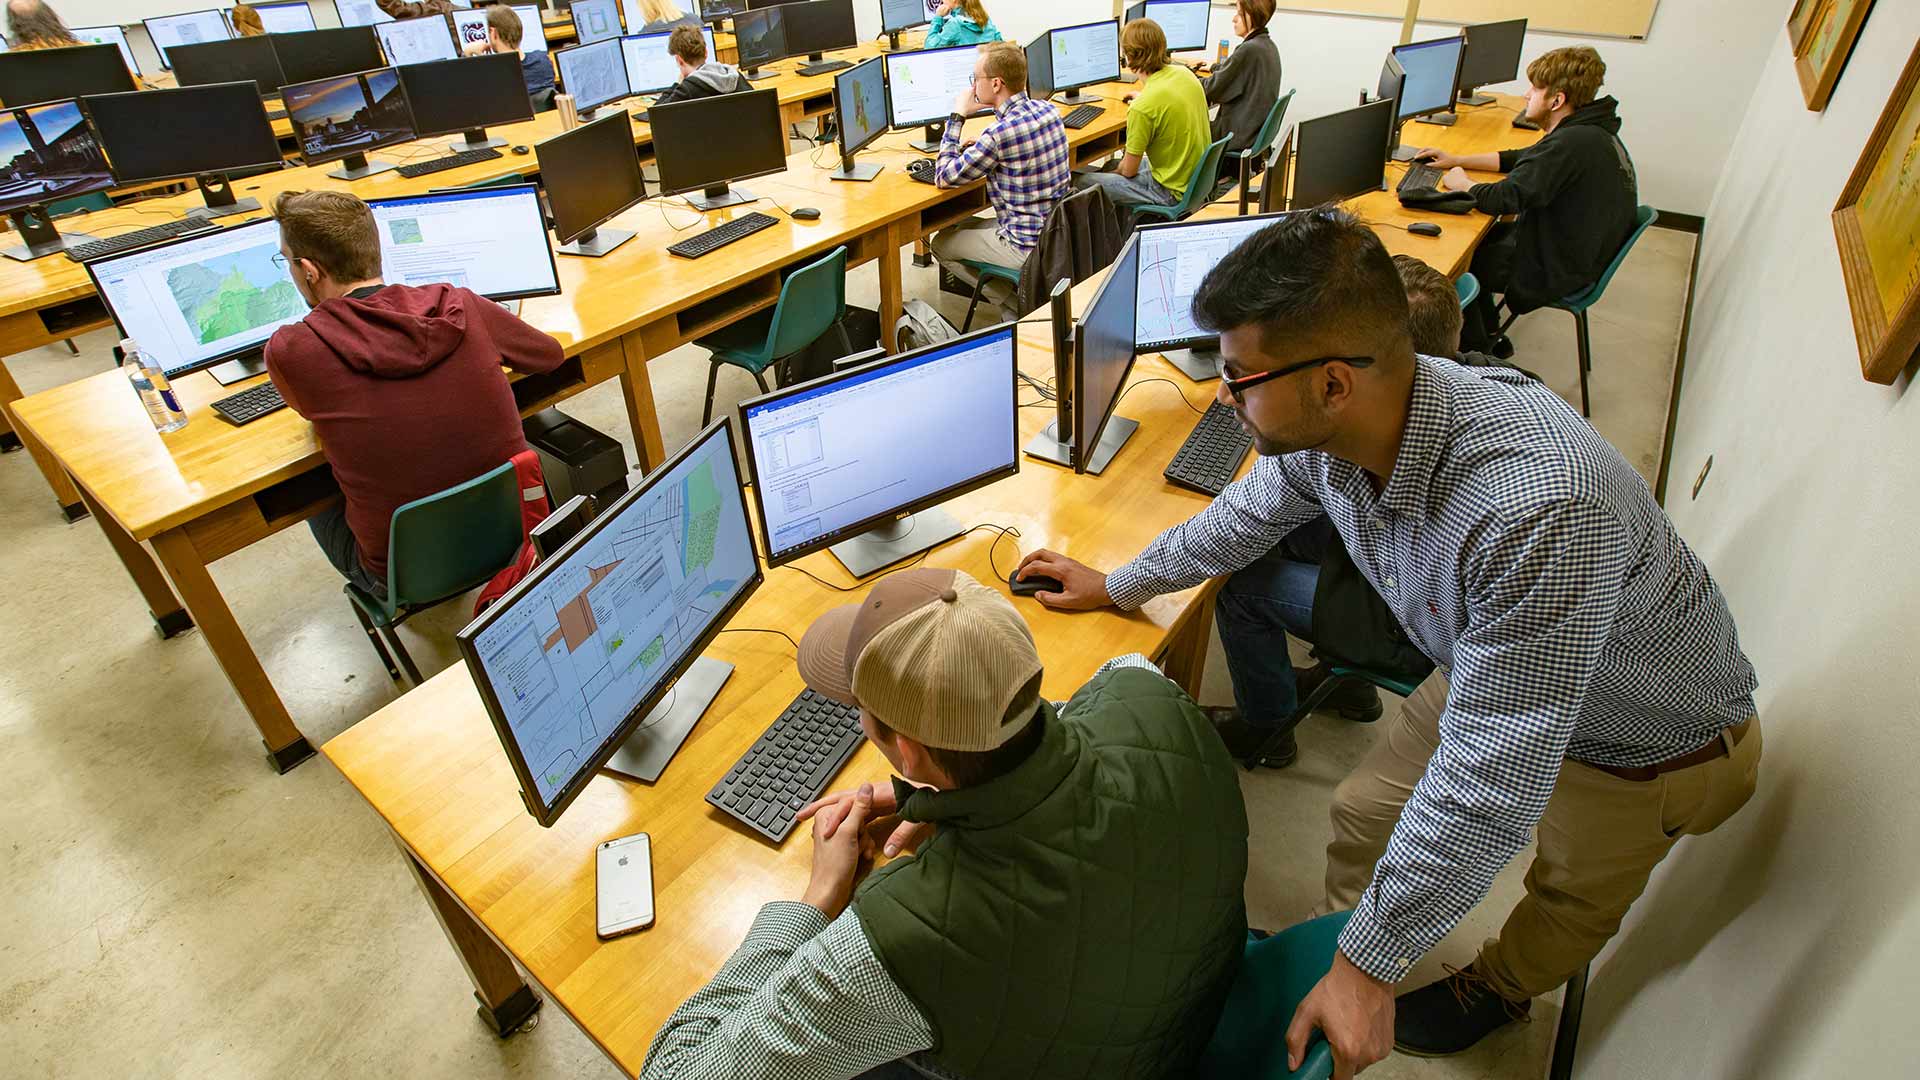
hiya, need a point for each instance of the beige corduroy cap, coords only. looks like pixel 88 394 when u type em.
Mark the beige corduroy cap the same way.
pixel 933 653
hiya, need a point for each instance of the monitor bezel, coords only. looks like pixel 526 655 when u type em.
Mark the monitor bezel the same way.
pixel 706 34
pixel 853 26
pixel 498 191
pixel 919 5
pixel 446 23
pixel 785 52
pixel 581 39
pixel 1386 106
pixel 1042 41
pixel 277 39
pixel 331 156
pixel 469 652
pixel 287 4
pixel 133 61
pixel 1083 450
pixel 159 50
pixel 108 184
pixel 840 134
pixel 341 21
pixel 1143 5
pixel 1140 268
pixel 653 118
pixel 501 60
pixel 268 45
pixel 253 92
pixel 1453 92
pixel 1119 65
pixel 952 491
pixel 909 125
pixel 1462 86
pixel 53 58
pixel 560 76
pixel 619 117
pixel 93 276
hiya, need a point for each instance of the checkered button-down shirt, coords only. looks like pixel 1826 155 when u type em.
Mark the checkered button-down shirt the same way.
pixel 1523 554
pixel 1023 156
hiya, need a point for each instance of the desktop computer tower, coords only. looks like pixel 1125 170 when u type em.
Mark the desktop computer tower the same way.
pixel 575 459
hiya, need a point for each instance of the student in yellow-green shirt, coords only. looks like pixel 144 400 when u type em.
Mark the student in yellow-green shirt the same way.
pixel 1167 126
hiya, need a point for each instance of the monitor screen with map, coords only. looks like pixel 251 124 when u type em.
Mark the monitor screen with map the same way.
pixel 573 661
pixel 194 302
pixel 1174 259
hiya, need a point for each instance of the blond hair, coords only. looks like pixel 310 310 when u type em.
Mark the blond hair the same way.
pixel 505 22
pixel 1143 46
pixel 1008 63
pixel 331 229
pixel 1576 71
pixel 976 11
pixel 246 21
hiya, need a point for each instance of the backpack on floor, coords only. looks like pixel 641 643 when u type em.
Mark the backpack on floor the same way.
pixel 921 325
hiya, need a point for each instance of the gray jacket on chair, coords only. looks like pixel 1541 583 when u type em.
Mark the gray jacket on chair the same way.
pixel 1083 235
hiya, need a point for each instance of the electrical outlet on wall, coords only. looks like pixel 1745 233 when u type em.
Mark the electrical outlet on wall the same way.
pixel 1701 480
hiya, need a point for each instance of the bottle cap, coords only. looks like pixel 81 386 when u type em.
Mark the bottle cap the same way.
pixel 128 345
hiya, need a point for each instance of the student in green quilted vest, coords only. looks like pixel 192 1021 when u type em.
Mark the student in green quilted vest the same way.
pixel 1074 909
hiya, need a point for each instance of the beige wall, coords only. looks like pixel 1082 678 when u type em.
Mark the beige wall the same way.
pixel 1788 945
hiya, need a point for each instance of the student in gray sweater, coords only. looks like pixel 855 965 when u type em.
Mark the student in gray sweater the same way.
pixel 700 75
pixel 1247 85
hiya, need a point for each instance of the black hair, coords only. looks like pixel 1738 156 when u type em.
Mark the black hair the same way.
pixel 1309 271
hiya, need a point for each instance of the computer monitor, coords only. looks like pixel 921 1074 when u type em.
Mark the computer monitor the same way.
pixel 202 132
pixel 594 74
pixel 1174 259
pixel 860 115
pixel 360 12
pixel 1184 21
pixel 595 20
pixel 470 27
pixel 285 18
pixel 491 240
pixel 1102 358
pixel 638 23
pixel 762 5
pixel 650 67
pixel 1083 55
pixel 897 16
pixel 466 96
pixel 166 31
pixel 47 153
pixel 1342 154
pixel 346 117
pixel 820 26
pixel 201 300
pixel 1050 444
pixel 30 76
pixel 591 173
pixel 1433 74
pixel 1393 87
pixel 110 35
pixel 1274 182
pixel 922 86
pixel 1492 56
pixel 416 41
pixel 325 54
pixel 232 60
pixel 716 12
pixel 694 163
pixel 858 461
pixel 760 38
pixel 593 661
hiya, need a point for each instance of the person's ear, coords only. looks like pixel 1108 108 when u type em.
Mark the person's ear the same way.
pixel 1336 385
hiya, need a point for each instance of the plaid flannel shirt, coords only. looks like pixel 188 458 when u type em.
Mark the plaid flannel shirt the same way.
pixel 1023 157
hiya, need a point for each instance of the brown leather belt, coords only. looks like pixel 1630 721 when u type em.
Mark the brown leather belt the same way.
pixel 1720 747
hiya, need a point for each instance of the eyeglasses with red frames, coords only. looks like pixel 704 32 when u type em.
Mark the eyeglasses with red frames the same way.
pixel 1239 387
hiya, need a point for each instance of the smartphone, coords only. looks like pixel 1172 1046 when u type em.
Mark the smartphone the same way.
pixel 623 885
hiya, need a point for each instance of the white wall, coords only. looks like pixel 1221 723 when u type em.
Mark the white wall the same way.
pixel 1786 945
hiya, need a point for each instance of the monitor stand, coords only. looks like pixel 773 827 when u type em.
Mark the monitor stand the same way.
pixel 475 140
pixel 357 167
pixel 1200 364
pixel 645 754
pixel 929 143
pixel 217 192
pixel 244 366
pixel 850 171
pixel 596 242
pixel 1475 97
pixel 1444 119
pixel 1075 97
pixel 39 238
pixel 884 545
pixel 1047 446
pixel 893 40
pixel 721 196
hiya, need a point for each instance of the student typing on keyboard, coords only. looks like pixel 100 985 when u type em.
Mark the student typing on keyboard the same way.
pixel 961 957
pixel 402 383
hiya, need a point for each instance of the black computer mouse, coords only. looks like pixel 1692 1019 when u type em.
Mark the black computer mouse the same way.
pixel 805 213
pixel 520 150
pixel 1032 583
pixel 1424 228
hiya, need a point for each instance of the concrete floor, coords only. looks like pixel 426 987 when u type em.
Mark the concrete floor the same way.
pixel 176 909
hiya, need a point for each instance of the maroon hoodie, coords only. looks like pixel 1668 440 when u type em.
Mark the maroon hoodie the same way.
pixel 405 391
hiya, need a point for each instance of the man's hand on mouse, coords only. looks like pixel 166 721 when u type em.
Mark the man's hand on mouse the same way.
pixel 1082 588
pixel 1437 158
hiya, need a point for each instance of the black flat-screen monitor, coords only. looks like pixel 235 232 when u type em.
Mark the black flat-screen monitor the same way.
pixel 466 95
pixel 762 5
pixel 595 20
pixel 820 26
pixel 417 41
pixel 1082 55
pixel 323 54
pixel 28 77
pixel 717 11
pixel 232 60
pixel 922 84
pixel 860 104
pixel 691 159
pixel 898 15
pixel 348 116
pixel 491 240
pixel 1183 21
pixel 593 74
pixel 1175 258
pixel 1342 154
pixel 189 131
pixel 760 38
pixel 109 35
pixel 1103 354
pixel 1492 56
pixel 290 17
pixel 48 153
pixel 189 28
pixel 1433 74
pixel 650 66
pixel 591 173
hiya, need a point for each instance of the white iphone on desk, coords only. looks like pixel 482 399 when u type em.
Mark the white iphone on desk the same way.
pixel 624 885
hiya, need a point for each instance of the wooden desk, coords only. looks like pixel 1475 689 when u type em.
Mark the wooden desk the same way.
pixel 509 892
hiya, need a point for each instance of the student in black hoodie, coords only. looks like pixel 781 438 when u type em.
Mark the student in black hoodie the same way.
pixel 1575 193
pixel 700 76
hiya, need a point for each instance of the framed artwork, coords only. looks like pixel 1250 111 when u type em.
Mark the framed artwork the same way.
pixel 1877 225
pixel 1823 32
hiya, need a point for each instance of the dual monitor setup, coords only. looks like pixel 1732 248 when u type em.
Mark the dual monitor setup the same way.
pixel 602 72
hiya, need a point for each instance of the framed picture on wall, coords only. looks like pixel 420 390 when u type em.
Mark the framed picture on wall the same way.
pixel 1822 33
pixel 1877 225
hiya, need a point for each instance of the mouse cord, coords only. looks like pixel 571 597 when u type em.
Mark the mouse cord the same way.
pixel 861 583
pixel 760 630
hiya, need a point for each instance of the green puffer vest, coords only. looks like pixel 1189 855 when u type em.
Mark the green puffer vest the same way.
pixel 1081 916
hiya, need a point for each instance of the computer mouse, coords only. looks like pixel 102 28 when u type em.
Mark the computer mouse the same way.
pixel 520 150
pixel 805 213
pixel 1032 583
pixel 1424 228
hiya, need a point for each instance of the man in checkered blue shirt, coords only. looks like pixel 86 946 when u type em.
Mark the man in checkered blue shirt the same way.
pixel 1022 156
pixel 1589 680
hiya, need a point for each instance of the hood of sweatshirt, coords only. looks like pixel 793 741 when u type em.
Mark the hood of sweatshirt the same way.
pixel 396 333
pixel 721 78
pixel 1602 113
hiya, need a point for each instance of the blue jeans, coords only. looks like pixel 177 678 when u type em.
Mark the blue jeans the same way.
pixel 336 541
pixel 1128 191
pixel 1256 609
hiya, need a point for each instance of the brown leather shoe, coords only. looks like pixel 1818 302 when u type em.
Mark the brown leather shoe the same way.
pixel 1353 699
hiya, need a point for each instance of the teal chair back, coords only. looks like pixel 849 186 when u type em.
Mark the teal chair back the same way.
pixel 1199 185
pixel 1276 973
pixel 1270 130
pixel 1643 220
pixel 452 540
pixel 812 299
pixel 91 201
pixel 1468 287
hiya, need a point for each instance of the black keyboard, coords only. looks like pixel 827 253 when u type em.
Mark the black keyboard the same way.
pixel 250 404
pixel 1082 116
pixel 921 169
pixel 1420 178
pixel 1210 457
pixel 451 161
pixel 720 236
pixel 791 765
pixel 139 238
pixel 823 67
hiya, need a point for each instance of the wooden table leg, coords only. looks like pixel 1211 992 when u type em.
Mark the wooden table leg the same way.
pixel 507 1003
pixel 16 436
pixel 899 235
pixel 637 387
pixel 286 747
pixel 1185 657
pixel 169 618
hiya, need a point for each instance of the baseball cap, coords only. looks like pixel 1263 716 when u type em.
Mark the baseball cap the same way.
pixel 934 654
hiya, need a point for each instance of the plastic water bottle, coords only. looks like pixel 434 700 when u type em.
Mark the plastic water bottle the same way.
pixel 1223 52
pixel 156 393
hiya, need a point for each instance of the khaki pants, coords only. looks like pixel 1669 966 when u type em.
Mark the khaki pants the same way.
pixel 1599 841
pixel 976 239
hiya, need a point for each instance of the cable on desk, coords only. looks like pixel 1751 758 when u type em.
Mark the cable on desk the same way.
pixel 1005 531
pixel 761 630
pixel 861 583
pixel 1176 389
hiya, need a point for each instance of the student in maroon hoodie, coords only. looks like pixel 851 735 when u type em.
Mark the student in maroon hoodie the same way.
pixel 402 384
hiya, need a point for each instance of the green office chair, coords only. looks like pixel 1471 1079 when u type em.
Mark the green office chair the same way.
pixel 80 204
pixel 982 273
pixel 498 181
pixel 1238 163
pixel 813 300
pixel 1468 287
pixel 1337 674
pixel 1276 973
pixel 1199 187
pixel 1578 303
pixel 437 548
